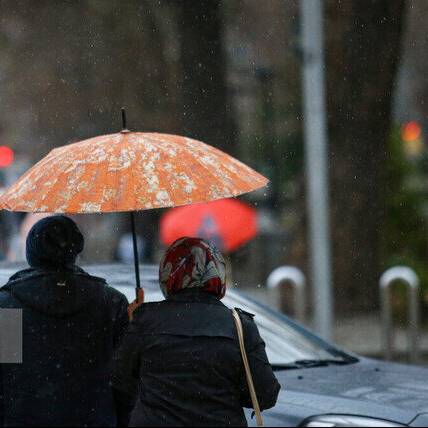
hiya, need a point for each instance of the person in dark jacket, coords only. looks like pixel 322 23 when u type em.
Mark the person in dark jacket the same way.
pixel 72 323
pixel 180 362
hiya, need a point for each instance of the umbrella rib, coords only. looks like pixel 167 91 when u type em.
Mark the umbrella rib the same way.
pixel 163 149
pixel 238 164
pixel 67 161
pixel 134 180
pixel 42 162
pixel 116 178
pixel 52 189
pixel 29 175
pixel 207 171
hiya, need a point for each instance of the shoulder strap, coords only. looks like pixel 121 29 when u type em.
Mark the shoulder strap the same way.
pixel 248 374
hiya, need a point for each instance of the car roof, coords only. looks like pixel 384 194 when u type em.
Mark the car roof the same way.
pixel 122 277
pixel 118 274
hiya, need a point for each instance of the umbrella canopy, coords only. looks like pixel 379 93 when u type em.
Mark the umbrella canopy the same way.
pixel 227 223
pixel 129 171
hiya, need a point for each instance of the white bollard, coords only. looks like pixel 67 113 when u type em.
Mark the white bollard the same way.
pixel 293 276
pixel 408 276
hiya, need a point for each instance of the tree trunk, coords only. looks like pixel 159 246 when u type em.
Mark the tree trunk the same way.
pixel 363 44
pixel 207 110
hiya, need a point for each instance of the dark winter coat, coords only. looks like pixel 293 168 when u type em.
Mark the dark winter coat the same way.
pixel 71 324
pixel 180 360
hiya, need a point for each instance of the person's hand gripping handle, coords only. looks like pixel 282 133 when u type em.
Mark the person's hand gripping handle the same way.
pixel 136 303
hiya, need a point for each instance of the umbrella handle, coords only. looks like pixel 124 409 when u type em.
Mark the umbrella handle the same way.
pixel 136 256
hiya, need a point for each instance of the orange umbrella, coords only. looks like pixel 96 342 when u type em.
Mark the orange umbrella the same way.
pixel 129 171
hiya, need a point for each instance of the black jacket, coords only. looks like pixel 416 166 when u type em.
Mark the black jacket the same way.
pixel 71 325
pixel 180 359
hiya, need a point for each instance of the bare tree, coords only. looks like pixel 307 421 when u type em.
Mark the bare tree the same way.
pixel 363 47
pixel 206 110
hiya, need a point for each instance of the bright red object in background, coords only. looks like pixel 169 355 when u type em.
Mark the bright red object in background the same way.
pixel 411 131
pixel 228 223
pixel 6 156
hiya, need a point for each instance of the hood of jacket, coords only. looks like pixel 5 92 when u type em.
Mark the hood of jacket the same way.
pixel 54 293
pixel 54 243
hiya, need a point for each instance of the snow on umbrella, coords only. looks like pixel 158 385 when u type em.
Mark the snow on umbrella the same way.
pixel 227 223
pixel 129 171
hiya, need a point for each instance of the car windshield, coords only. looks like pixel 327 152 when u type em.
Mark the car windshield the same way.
pixel 285 344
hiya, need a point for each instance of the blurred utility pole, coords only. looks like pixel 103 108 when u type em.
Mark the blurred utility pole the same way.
pixel 315 133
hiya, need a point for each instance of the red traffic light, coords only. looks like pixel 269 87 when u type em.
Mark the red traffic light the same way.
pixel 411 131
pixel 6 156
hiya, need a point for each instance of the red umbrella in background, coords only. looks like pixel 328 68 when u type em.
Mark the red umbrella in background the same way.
pixel 228 223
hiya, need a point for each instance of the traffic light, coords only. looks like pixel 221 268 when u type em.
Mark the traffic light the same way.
pixel 6 156
pixel 411 134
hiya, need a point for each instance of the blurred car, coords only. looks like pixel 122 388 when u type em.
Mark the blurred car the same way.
pixel 322 386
